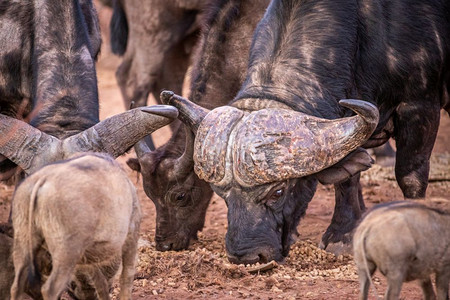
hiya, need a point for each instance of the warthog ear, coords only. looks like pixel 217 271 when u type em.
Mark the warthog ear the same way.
pixel 357 161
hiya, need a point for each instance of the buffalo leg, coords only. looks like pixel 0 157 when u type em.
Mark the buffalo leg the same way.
pixel 349 207
pixel 135 84
pixel 393 291
pixel 415 134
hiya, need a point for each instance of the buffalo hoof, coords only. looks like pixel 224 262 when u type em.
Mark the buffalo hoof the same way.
pixel 338 233
pixel 338 248
pixel 173 244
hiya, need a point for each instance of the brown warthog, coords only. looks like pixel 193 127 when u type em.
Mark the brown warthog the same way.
pixel 405 241
pixel 85 212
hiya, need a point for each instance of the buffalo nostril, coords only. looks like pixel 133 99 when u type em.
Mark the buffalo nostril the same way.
pixel 263 258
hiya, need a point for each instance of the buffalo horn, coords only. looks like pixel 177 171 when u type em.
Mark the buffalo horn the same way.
pixel 191 114
pixel 141 148
pixel 185 163
pixel 119 133
pixel 30 148
pixel 20 142
pixel 277 144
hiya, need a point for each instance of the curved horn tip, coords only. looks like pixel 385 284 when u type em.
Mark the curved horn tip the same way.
pixel 166 95
pixel 361 107
pixel 167 111
pixel 356 103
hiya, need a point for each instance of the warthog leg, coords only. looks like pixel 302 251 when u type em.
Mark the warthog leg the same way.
pixel 364 275
pixel 442 280
pixel 18 286
pixel 63 266
pixel 100 283
pixel 427 288
pixel 129 251
pixel 395 281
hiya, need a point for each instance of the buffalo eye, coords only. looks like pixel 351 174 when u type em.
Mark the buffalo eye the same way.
pixel 180 196
pixel 278 193
pixel 179 199
pixel 273 197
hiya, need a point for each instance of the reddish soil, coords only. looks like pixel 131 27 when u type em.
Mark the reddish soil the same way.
pixel 203 272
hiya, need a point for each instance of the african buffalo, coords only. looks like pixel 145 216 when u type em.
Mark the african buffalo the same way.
pixel 156 40
pixel 218 71
pixel 287 128
pixel 84 225
pixel 47 76
pixel 405 241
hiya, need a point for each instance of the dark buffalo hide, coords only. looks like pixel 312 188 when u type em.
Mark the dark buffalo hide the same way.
pixel 306 56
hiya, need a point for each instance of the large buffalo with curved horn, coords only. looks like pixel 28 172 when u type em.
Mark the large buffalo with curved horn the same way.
pixel 288 128
pixel 169 180
pixel 47 78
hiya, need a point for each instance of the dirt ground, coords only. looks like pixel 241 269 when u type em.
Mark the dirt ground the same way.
pixel 203 271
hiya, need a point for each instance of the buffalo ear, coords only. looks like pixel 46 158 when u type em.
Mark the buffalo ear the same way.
pixel 134 164
pixel 357 161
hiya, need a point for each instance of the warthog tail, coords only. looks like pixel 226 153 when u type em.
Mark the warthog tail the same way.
pixel 366 265
pixel 34 276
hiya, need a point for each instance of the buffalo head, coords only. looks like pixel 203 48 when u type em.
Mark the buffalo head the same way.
pixel 266 164
pixel 180 197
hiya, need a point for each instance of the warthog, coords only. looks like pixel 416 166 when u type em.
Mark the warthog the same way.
pixel 405 241
pixel 85 212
